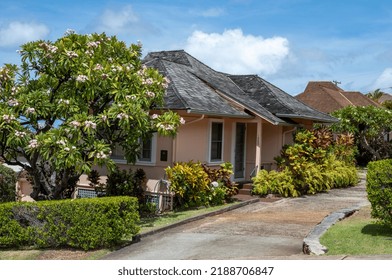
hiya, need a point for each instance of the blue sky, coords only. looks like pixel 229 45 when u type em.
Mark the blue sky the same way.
pixel 287 42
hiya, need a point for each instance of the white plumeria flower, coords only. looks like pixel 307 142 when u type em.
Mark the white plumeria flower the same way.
pixel 122 116
pixel 71 54
pixel 101 155
pixel 61 142
pixel 65 101
pixel 8 118
pixel 98 67
pixel 90 124
pixel 33 144
pixel 148 81
pixel 30 110
pixel 20 133
pixel 93 44
pixel 13 102
pixel 150 94
pixel 182 120
pixel 75 123
pixel 154 116
pixel 81 78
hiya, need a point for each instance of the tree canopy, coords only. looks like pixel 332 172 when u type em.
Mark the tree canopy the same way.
pixel 371 127
pixel 70 102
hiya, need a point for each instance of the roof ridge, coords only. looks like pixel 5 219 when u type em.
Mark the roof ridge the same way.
pixel 269 86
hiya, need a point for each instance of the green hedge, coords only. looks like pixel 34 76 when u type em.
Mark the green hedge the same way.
pixel 379 190
pixel 83 223
pixel 7 184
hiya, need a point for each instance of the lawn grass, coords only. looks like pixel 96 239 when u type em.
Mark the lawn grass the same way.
pixel 358 235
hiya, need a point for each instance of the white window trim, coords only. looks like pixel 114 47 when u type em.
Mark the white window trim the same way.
pixel 141 162
pixel 153 153
pixel 215 162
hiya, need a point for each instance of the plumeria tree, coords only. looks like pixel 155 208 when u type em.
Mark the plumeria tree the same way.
pixel 70 102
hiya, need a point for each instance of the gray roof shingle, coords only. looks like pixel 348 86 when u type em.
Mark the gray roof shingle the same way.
pixel 196 87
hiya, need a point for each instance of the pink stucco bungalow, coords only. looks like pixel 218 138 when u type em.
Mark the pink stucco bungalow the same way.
pixel 241 119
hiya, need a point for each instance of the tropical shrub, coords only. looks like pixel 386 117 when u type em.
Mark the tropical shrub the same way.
pixel 83 223
pixel 274 182
pixel 7 184
pixel 379 190
pixel 198 185
pixel 190 183
pixel 222 175
pixel 310 166
pixel 123 182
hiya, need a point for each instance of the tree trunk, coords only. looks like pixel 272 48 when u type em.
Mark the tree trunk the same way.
pixel 49 184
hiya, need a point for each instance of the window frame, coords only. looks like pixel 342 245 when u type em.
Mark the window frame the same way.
pixel 210 142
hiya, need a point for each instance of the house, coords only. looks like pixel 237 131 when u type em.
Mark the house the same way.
pixel 385 97
pixel 327 97
pixel 241 119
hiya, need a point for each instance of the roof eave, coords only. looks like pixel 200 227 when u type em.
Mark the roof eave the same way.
pixel 324 120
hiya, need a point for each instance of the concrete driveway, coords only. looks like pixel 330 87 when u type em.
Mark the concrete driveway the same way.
pixel 263 230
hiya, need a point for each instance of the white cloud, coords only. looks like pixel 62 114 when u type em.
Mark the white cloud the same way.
pixel 384 80
pixel 117 21
pixel 17 33
pixel 236 53
pixel 124 21
pixel 213 12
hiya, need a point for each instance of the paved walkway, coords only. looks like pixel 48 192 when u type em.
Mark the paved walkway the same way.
pixel 262 230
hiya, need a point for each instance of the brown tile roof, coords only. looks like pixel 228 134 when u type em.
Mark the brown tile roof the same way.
pixel 327 97
pixel 385 97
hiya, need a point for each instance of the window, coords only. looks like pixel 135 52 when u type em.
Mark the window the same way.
pixel 216 144
pixel 118 153
pixel 146 153
pixel 146 150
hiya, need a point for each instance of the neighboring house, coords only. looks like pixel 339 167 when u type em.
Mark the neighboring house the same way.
pixel 385 97
pixel 327 97
pixel 241 119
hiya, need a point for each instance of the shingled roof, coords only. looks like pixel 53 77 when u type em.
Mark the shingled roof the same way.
pixel 197 88
pixel 327 97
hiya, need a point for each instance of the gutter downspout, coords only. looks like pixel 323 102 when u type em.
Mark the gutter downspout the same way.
pixel 285 133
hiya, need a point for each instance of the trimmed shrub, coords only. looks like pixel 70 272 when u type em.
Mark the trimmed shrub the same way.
pixel 379 190
pixel 7 184
pixel 83 223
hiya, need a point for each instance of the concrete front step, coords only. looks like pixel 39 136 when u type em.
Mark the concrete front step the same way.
pixel 242 191
pixel 247 186
pixel 246 189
